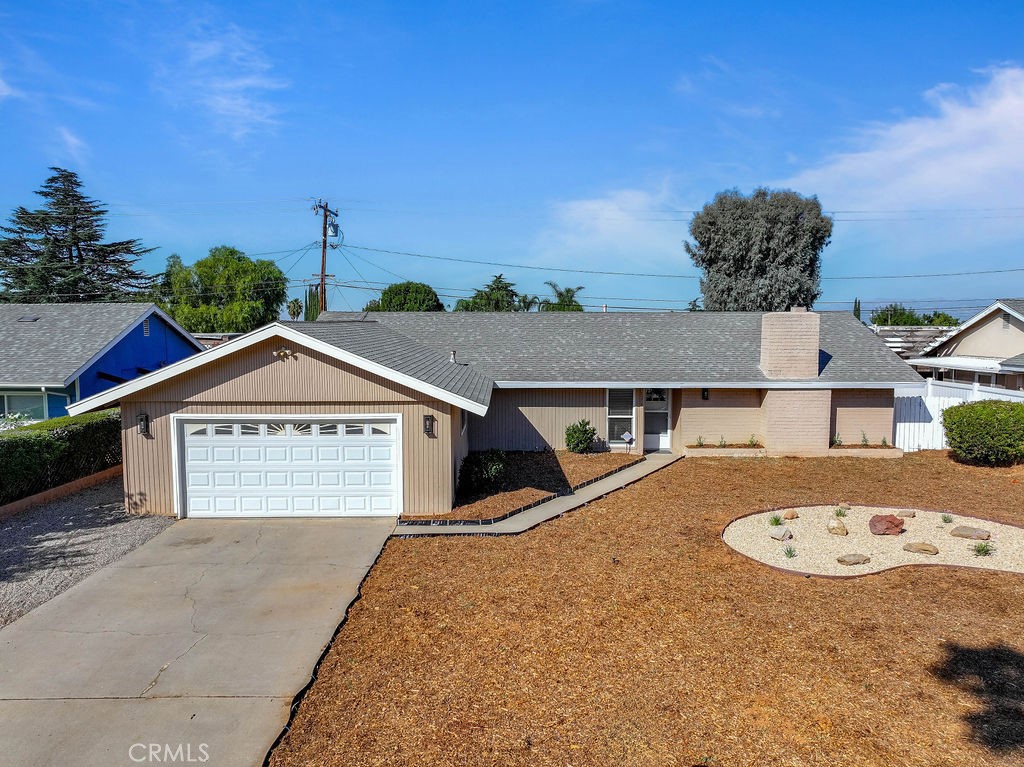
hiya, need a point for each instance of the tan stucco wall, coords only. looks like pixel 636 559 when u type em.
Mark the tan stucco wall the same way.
pixel 533 419
pixel 857 412
pixel 255 382
pixel 987 338
pixel 734 414
pixel 797 420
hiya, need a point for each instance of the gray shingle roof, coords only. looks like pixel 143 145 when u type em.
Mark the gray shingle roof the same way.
pixel 1017 304
pixel 621 347
pixel 380 343
pixel 1015 362
pixel 50 350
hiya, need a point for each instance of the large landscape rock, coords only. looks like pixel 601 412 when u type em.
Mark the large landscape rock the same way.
pixel 781 533
pixel 791 514
pixel 906 513
pixel 853 559
pixel 885 524
pixel 972 533
pixel 920 547
pixel 836 526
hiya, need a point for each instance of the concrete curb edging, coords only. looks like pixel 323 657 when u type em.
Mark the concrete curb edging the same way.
pixel 521 509
pixel 61 491
pixel 571 503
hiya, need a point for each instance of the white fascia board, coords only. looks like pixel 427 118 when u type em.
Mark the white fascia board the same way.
pixel 979 364
pixel 153 309
pixel 34 385
pixel 804 384
pixel 114 394
pixel 971 322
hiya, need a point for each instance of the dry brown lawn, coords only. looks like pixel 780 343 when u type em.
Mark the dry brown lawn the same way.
pixel 534 476
pixel 628 633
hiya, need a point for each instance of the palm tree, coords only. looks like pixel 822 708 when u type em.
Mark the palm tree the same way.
pixel 564 299
pixel 294 309
pixel 526 302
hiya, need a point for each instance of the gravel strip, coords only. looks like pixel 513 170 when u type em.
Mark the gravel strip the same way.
pixel 52 547
pixel 817 549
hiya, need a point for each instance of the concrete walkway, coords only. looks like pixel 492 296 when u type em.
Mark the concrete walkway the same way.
pixel 195 644
pixel 554 508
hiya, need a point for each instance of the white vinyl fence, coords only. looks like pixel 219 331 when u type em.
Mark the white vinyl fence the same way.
pixel 918 412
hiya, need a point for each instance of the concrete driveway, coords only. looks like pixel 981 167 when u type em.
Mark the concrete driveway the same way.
pixel 194 644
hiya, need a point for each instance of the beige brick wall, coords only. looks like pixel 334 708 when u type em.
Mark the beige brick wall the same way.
pixel 860 412
pixel 797 420
pixel 734 414
pixel 789 344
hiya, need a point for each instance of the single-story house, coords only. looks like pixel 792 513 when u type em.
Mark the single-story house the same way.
pixel 987 349
pixel 56 354
pixel 373 413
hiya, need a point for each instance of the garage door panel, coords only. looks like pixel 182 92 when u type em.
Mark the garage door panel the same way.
pixel 284 468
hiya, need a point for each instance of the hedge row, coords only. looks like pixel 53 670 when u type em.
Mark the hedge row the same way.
pixel 38 456
pixel 988 432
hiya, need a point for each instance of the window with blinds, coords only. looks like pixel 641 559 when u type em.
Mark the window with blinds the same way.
pixel 620 414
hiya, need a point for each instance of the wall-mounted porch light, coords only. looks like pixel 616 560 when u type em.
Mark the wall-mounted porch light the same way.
pixel 429 422
pixel 142 419
pixel 705 393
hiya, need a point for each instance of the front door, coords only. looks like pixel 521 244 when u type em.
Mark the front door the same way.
pixel 656 409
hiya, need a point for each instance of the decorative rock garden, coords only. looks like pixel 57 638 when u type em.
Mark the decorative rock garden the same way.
pixel 847 540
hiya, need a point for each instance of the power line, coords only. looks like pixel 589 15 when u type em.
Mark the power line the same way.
pixel 611 273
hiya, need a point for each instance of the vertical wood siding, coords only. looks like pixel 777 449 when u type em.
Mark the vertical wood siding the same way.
pixel 533 419
pixel 254 382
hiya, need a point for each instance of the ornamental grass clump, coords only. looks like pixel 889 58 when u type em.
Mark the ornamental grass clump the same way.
pixel 774 520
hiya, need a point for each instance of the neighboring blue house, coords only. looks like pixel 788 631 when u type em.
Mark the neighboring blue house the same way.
pixel 55 354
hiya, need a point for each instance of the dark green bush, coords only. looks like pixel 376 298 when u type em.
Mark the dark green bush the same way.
pixel 988 432
pixel 42 455
pixel 483 473
pixel 580 437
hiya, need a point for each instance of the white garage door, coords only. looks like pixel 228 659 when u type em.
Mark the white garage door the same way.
pixel 291 468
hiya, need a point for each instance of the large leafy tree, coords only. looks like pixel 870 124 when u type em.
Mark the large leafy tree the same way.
pixel 226 292
pixel 759 253
pixel 406 297
pixel 498 295
pixel 57 254
pixel 562 300
pixel 898 314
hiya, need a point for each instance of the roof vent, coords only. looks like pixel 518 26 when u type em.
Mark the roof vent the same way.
pixel 28 318
pixel 452 358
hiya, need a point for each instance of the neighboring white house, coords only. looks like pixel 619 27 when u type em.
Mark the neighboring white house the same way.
pixel 987 349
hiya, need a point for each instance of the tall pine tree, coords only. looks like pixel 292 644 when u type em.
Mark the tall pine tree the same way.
pixel 57 254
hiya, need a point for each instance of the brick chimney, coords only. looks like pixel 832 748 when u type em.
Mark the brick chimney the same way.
pixel 789 344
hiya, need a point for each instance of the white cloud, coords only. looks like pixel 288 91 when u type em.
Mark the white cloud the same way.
pixel 968 154
pixel 72 145
pixel 226 75
pixel 621 224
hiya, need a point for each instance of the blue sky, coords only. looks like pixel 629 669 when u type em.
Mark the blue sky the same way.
pixel 560 134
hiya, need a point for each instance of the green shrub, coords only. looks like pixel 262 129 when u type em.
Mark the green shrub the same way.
pixel 580 437
pixel 987 432
pixel 483 473
pixel 38 456
pixel 774 520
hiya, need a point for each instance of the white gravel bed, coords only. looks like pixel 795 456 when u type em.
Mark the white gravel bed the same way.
pixel 817 549
pixel 50 548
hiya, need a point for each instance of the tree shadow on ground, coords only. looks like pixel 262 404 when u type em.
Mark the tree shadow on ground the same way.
pixel 995 676
pixel 539 470
pixel 54 535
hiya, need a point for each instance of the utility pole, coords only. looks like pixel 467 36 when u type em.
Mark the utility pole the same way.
pixel 322 207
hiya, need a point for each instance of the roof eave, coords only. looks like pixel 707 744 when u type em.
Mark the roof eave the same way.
pixel 114 394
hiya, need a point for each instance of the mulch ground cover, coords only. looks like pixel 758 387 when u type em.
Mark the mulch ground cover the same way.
pixel 533 476
pixel 628 633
